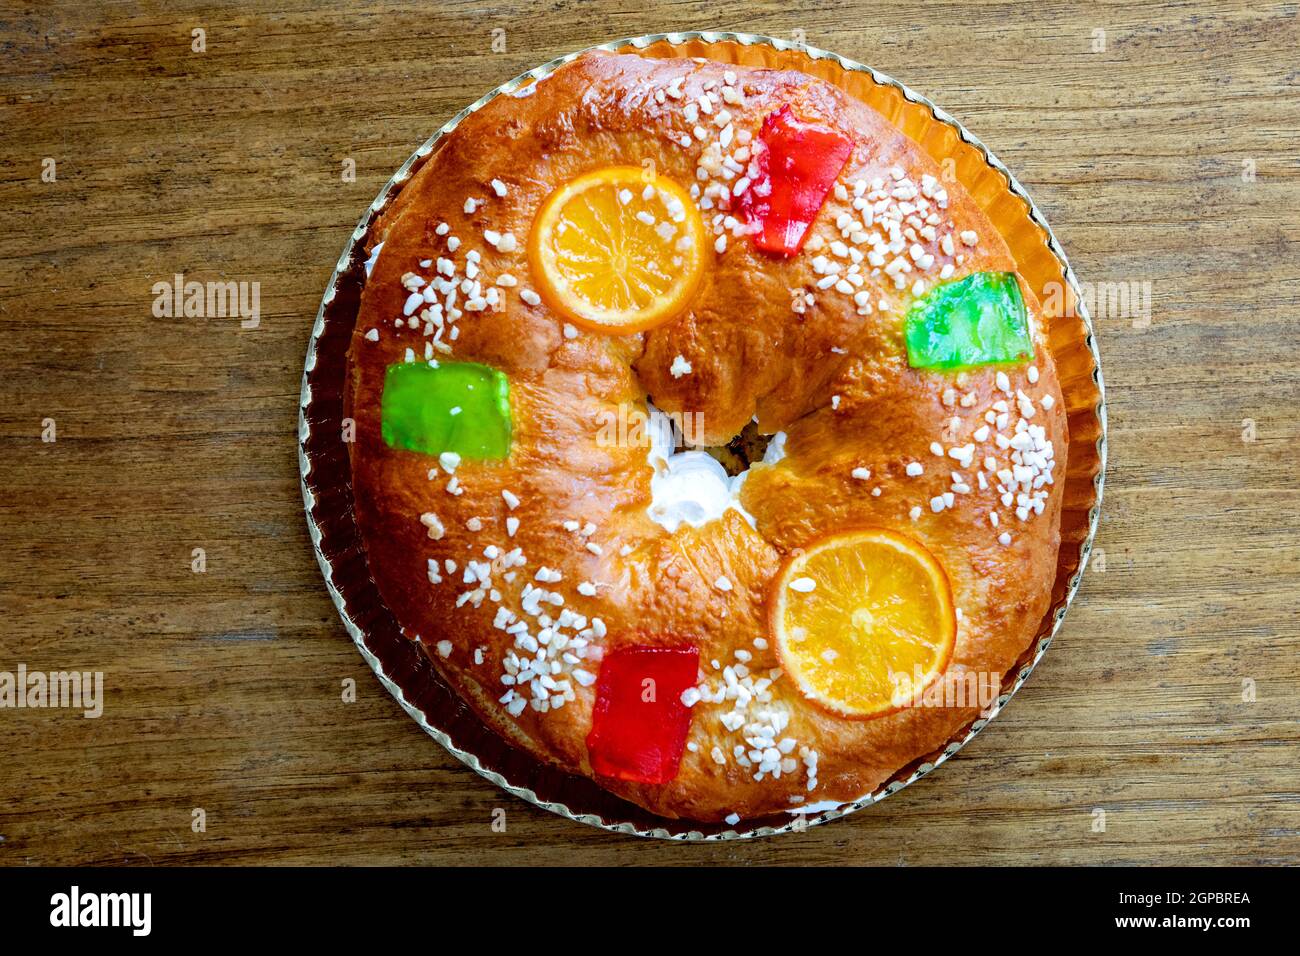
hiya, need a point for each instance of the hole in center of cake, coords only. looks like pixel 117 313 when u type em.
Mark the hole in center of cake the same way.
pixel 696 485
pixel 741 451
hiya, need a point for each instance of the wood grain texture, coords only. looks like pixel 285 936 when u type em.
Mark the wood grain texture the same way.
pixel 223 689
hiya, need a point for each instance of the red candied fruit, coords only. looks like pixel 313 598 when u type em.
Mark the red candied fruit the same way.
pixel 639 723
pixel 798 163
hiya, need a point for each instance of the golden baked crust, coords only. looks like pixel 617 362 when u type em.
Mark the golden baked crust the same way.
pixel 837 382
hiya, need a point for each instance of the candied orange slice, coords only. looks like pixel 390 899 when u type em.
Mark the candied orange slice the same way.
pixel 618 250
pixel 863 621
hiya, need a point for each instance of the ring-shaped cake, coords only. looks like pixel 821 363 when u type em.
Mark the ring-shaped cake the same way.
pixel 705 435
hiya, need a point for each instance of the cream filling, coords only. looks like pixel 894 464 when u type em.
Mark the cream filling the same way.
pixel 374 257
pixel 775 450
pixel 692 487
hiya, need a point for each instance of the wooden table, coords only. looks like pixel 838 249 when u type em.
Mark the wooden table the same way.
pixel 1163 152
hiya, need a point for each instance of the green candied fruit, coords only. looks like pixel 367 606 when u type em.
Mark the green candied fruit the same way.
pixel 461 407
pixel 978 320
